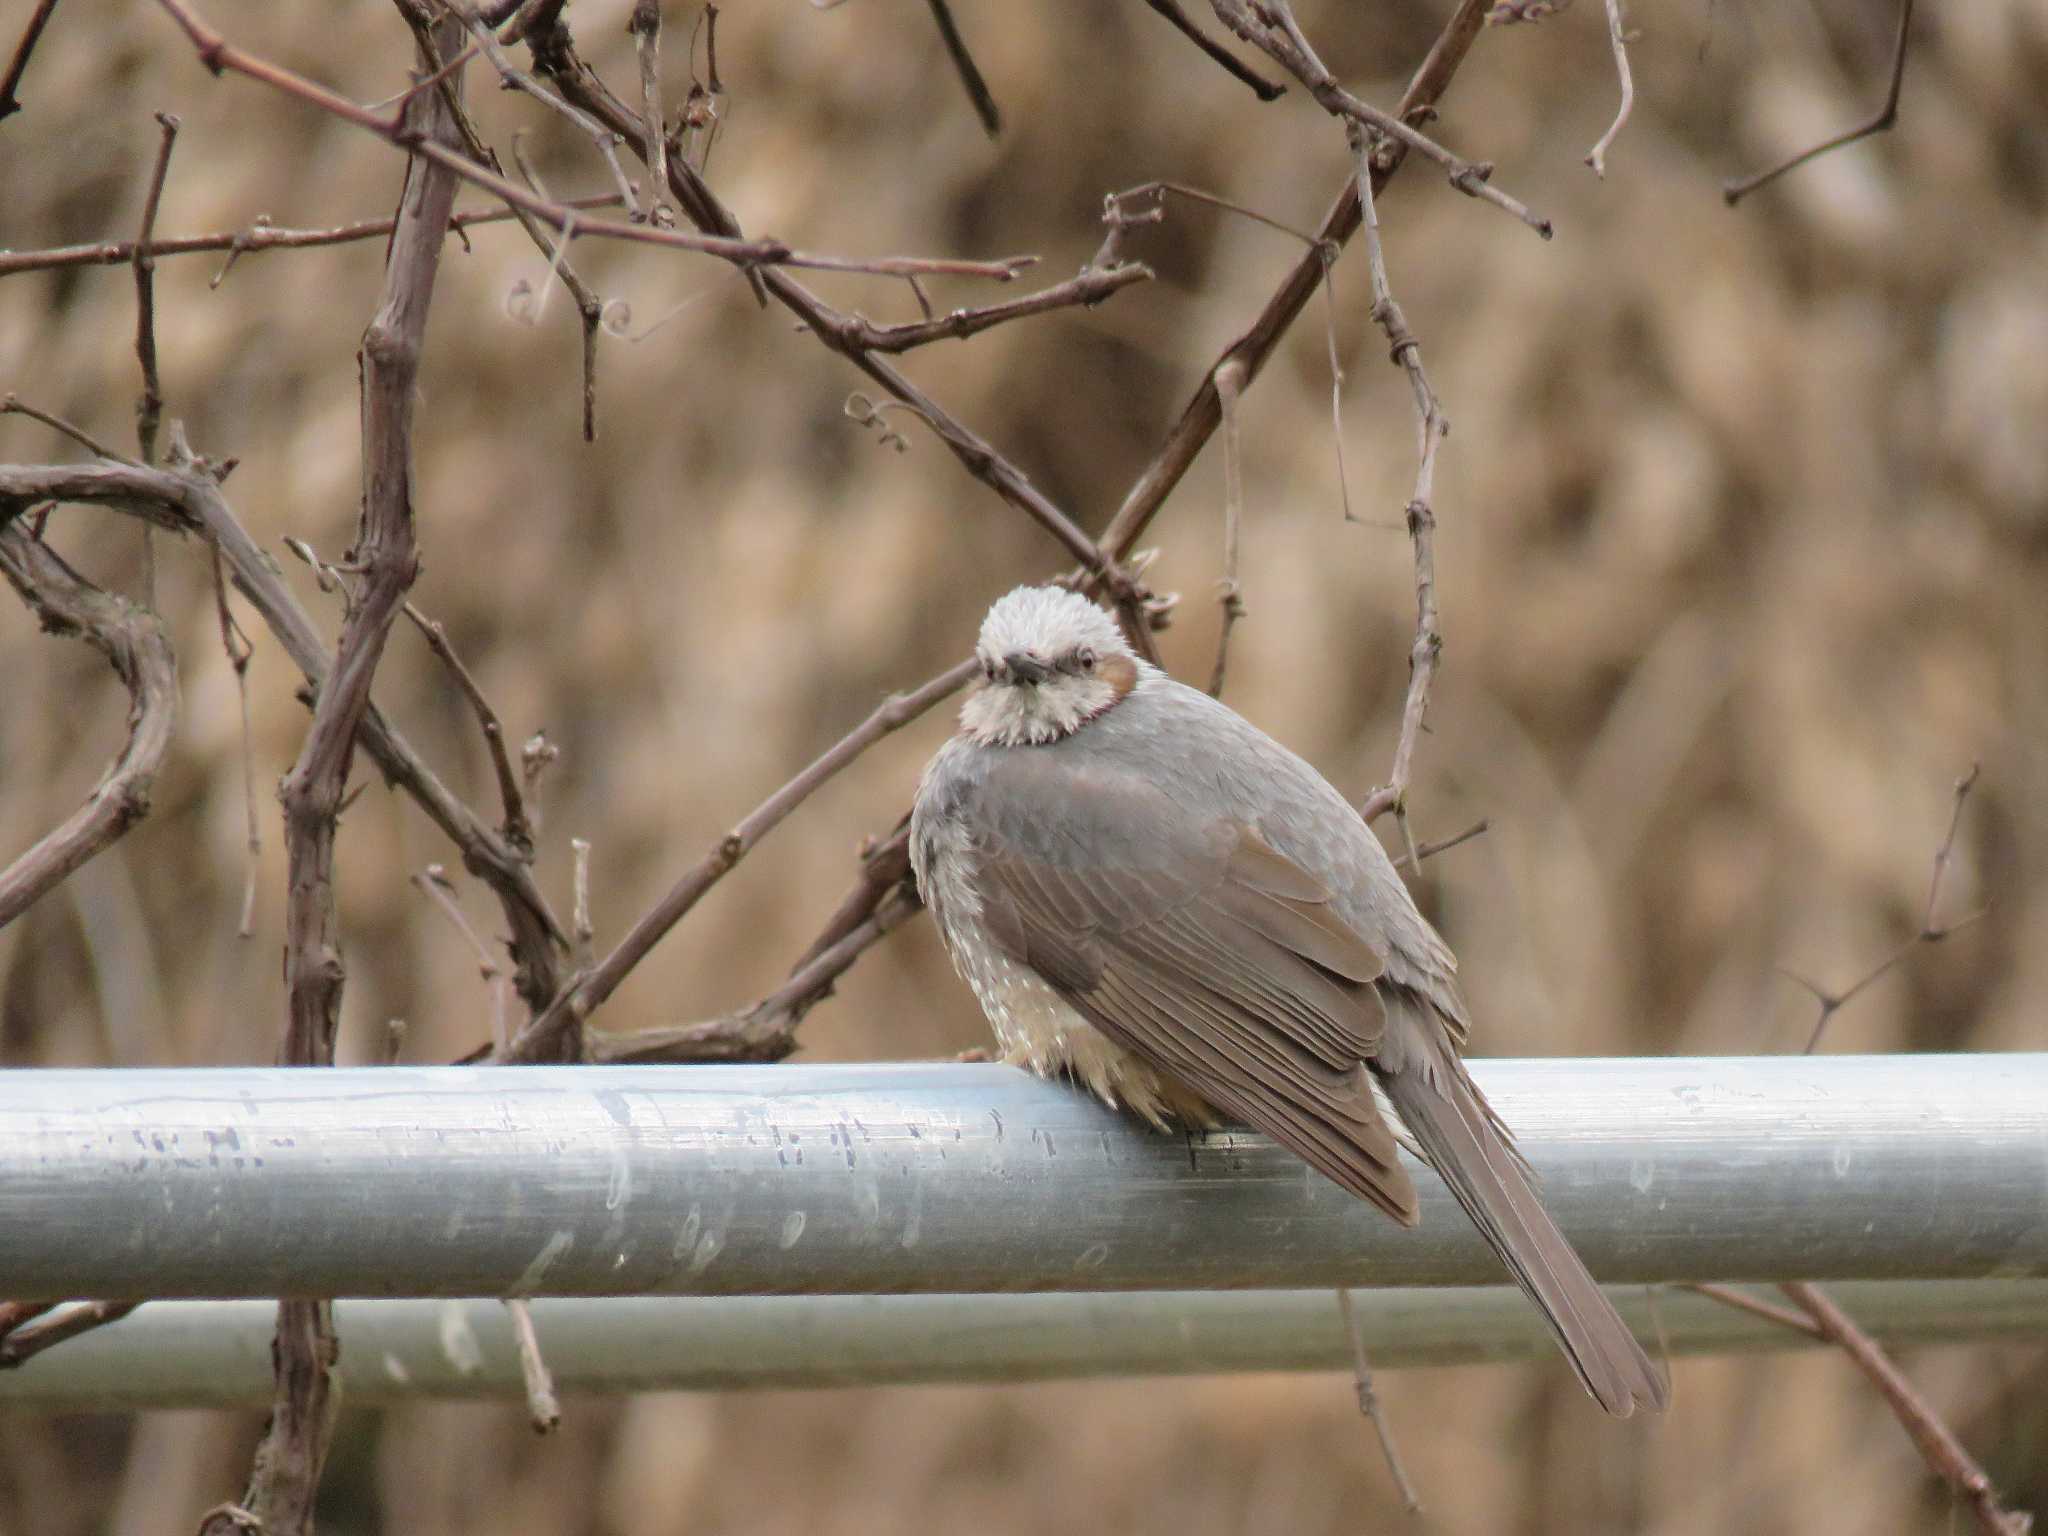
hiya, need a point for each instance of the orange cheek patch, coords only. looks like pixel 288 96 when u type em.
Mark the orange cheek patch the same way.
pixel 1120 672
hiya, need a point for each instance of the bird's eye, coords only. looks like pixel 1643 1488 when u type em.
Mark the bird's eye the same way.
pixel 988 670
pixel 1085 659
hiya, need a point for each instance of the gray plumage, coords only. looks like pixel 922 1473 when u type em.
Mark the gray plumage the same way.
pixel 1148 893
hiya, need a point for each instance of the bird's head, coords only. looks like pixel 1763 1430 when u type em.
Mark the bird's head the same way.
pixel 1050 662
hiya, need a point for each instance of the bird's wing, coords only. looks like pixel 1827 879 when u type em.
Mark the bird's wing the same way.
pixel 1196 946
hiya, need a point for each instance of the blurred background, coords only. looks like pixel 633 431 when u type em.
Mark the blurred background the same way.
pixel 1744 535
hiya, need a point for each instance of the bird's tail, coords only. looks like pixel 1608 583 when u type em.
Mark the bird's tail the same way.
pixel 1464 1141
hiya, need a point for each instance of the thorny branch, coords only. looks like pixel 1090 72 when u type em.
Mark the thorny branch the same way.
pixel 1735 191
pixel 133 641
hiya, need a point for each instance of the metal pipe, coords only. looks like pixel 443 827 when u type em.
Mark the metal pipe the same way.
pixel 448 1181
pixel 217 1353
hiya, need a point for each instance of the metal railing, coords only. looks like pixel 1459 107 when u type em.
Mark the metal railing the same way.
pixel 839 1181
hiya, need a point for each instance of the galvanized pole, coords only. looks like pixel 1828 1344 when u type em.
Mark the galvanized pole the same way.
pixel 844 1179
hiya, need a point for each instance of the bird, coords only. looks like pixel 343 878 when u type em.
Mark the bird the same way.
pixel 1152 897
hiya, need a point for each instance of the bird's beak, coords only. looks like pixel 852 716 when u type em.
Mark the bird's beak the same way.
pixel 1026 669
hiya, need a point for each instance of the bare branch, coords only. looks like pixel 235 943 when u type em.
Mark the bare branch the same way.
pixel 11 406
pixel 1369 1405
pixel 183 498
pixel 53 1326
pixel 1930 932
pixel 1414 857
pixel 1431 427
pixel 645 27
pixel 515 827
pixel 150 407
pixel 1597 156
pixel 133 641
pixel 1236 68
pixel 1087 288
pixel 220 55
pixel 1269 26
pixel 1937 1444
pixel 38 19
pixel 1202 414
pixel 1756 1306
pixel 965 67
pixel 260 236
pixel 556 57
pixel 1735 191
pixel 543 1408
pixel 286 1476
pixel 1230 378
pixel 544 1038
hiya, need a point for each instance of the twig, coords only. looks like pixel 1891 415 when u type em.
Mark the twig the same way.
pixel 1202 415
pixel 133 641
pixel 517 831
pixel 605 141
pixel 964 66
pixel 9 103
pixel 1743 1301
pixel 54 1327
pixel 1369 1405
pixel 1597 156
pixel 536 756
pixel 555 56
pixel 1236 68
pixel 1442 845
pixel 543 1408
pixel 1733 192
pixel 259 236
pixel 1087 288
pixel 10 406
pixel 542 1039
pixel 219 55
pixel 286 1476
pixel 589 307
pixel 1431 427
pixel 645 27
pixel 149 407
pixel 584 930
pixel 239 650
pixel 1937 1444
pixel 14 1313
pixel 764 1031
pixel 1930 932
pixel 1269 26
pixel 1230 377
pixel 185 498
pixel 435 885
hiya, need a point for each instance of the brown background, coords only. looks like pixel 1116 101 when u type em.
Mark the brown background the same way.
pixel 1744 535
